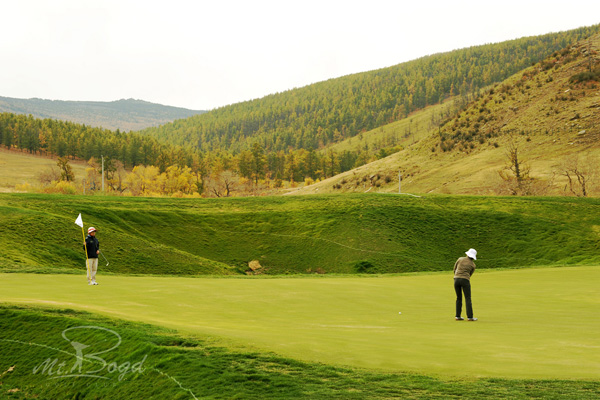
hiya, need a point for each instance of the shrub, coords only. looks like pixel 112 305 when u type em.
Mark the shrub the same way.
pixel 586 76
pixel 364 267
pixel 62 187
pixel 23 187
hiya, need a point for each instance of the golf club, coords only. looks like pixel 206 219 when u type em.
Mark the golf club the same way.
pixel 104 258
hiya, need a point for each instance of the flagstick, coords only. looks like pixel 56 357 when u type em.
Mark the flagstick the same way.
pixel 87 264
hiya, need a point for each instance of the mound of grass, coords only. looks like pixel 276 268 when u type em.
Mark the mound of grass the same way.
pixel 38 360
pixel 330 233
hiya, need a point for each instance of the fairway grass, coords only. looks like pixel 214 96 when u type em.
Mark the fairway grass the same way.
pixel 533 324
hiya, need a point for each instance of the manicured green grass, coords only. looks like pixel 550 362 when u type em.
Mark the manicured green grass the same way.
pixel 330 233
pixel 534 323
pixel 171 366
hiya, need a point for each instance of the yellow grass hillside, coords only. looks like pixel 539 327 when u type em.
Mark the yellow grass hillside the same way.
pixel 549 114
pixel 20 171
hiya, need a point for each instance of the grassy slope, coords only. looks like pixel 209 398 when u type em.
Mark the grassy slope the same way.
pixel 17 168
pixel 529 104
pixel 296 234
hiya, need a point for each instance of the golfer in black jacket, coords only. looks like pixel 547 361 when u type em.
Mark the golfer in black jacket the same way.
pixel 92 246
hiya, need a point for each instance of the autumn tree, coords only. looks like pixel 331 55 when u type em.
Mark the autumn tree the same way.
pixel 178 180
pixel 116 179
pixel 92 175
pixel 143 180
pixel 66 172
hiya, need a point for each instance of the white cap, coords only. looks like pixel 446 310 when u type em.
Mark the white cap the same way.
pixel 91 229
pixel 472 253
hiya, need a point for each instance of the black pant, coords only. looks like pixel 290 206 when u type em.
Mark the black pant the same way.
pixel 463 285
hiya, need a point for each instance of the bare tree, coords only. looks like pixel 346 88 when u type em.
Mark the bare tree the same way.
pixel 223 184
pixel 581 173
pixel 516 172
pixel 49 175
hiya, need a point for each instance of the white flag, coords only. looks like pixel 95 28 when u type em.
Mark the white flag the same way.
pixel 79 221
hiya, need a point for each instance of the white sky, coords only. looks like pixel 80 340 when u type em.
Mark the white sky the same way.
pixel 205 54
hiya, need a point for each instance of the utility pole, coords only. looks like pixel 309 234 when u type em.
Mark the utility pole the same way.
pixel 399 182
pixel 102 174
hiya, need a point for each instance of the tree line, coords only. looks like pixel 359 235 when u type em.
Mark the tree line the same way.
pixel 157 164
pixel 68 139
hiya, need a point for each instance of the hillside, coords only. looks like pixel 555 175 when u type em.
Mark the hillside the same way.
pixel 125 115
pixel 307 134
pixel 373 233
pixel 550 112
pixel 22 170
pixel 328 112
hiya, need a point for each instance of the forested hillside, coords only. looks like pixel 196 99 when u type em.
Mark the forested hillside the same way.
pixel 319 131
pixel 328 112
pixel 125 115
pixel 536 133
pixel 59 138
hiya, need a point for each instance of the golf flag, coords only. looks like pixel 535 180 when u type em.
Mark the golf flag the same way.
pixel 79 221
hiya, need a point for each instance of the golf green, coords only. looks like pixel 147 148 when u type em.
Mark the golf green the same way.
pixel 533 323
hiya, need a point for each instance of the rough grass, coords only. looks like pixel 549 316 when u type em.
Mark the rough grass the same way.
pixel 333 234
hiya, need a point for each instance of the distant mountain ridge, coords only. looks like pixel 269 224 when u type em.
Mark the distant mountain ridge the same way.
pixel 125 114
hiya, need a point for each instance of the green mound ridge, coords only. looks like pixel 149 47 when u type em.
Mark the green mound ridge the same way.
pixel 171 366
pixel 328 233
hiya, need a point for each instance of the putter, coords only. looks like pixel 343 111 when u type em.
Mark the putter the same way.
pixel 104 258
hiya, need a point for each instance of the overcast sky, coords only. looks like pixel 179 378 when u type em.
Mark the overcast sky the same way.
pixel 206 54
